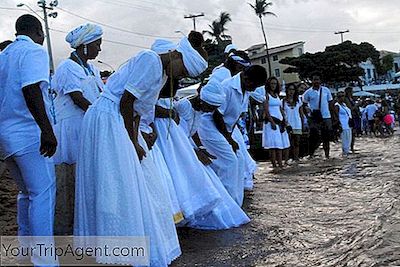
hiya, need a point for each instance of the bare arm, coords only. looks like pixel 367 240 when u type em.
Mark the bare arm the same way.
pixel 80 100
pixel 301 111
pixel 267 115
pixel 334 112
pixel 220 124
pixel 196 140
pixel 34 101
pixel 131 125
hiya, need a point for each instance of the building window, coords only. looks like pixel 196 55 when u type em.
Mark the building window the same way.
pixel 263 60
pixel 396 66
pixel 300 50
pixel 275 58
pixel 277 73
pixel 368 74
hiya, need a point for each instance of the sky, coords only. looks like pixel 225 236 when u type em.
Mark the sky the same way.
pixel 132 25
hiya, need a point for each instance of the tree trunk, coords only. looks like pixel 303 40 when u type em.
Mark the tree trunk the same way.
pixel 266 47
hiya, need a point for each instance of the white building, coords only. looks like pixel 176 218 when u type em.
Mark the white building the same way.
pixel 369 72
pixel 258 55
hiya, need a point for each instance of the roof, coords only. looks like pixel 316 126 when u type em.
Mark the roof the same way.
pixel 385 53
pixel 273 50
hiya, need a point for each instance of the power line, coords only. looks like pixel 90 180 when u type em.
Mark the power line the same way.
pixel 116 28
pixel 10 8
pixel 194 17
pixel 106 40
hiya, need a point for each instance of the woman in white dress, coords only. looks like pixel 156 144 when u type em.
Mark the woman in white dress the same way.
pixel 275 137
pixel 77 84
pixel 113 197
pixel 293 107
pixel 227 213
pixel 344 115
pixel 195 191
pixel 236 61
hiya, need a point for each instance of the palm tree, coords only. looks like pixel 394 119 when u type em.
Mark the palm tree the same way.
pixel 218 28
pixel 260 8
pixel 224 18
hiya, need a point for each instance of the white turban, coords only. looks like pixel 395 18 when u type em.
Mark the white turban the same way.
pixel 230 47
pixel 194 63
pixel 212 93
pixel 163 46
pixel 84 34
pixel 259 94
pixel 239 60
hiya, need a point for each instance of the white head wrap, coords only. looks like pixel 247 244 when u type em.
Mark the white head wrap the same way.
pixel 84 34
pixel 163 46
pixel 230 47
pixel 239 60
pixel 259 94
pixel 195 64
pixel 212 93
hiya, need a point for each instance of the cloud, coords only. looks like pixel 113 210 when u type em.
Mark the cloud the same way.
pixel 312 21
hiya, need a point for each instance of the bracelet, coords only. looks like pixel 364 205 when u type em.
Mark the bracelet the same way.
pixel 201 148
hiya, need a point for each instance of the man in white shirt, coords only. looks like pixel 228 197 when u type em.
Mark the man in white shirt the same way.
pixel 370 110
pixel 320 101
pixel 27 140
pixel 216 131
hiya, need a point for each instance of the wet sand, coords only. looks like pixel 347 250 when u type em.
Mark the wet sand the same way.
pixel 340 212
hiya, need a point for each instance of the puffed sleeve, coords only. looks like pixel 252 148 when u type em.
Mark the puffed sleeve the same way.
pixel 184 109
pixel 146 74
pixel 68 78
pixel 224 106
pixel 34 67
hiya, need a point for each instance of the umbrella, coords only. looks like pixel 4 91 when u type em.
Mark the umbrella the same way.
pixel 364 93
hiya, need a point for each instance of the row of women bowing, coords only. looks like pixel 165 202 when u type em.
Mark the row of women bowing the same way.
pixel 143 163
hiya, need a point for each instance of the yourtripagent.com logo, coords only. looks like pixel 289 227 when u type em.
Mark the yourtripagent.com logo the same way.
pixel 73 250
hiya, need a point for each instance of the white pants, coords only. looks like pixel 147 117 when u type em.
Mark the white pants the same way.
pixel 346 136
pixel 35 177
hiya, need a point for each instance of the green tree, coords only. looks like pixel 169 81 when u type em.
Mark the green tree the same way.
pixel 337 64
pixel 387 64
pixel 218 28
pixel 260 8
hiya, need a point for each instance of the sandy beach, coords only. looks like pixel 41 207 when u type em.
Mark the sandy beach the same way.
pixel 338 212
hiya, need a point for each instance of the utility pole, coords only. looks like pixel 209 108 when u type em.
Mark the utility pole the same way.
pixel 42 4
pixel 193 17
pixel 341 33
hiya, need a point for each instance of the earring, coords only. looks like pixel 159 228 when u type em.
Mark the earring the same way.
pixel 85 50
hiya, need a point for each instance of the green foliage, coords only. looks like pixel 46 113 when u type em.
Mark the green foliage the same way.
pixel 387 63
pixel 338 63
pixel 218 28
pixel 260 8
pixel 215 54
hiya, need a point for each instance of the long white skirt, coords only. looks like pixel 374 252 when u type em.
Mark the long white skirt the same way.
pixel 274 139
pixel 112 197
pixel 228 164
pixel 163 216
pixel 67 132
pixel 159 161
pixel 225 215
pixel 195 191
pixel 250 166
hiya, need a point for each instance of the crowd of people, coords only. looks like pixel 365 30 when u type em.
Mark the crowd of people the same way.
pixel 143 163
